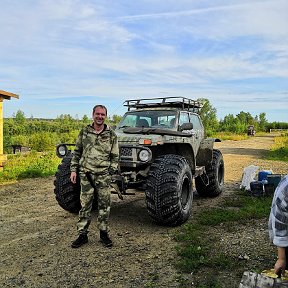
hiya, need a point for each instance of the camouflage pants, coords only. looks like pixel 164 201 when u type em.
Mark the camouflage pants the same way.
pixel 102 183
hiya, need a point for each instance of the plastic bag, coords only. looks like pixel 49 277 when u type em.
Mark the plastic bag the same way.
pixel 248 176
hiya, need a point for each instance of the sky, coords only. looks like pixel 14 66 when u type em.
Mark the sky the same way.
pixel 65 56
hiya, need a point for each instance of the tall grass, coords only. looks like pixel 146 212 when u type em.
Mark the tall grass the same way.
pixel 229 136
pixel 279 151
pixel 29 165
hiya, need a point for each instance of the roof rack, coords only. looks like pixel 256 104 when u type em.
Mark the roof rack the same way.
pixel 177 102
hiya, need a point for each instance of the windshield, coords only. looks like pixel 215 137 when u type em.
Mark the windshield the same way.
pixel 155 119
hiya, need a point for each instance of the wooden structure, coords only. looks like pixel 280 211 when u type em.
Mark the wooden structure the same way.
pixel 3 96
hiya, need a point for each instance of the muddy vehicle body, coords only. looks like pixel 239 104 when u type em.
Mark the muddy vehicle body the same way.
pixel 164 152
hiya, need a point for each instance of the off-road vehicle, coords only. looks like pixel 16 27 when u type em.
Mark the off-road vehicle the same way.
pixel 251 130
pixel 162 151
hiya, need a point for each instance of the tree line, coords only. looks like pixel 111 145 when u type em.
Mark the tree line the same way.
pixel 45 134
pixel 237 124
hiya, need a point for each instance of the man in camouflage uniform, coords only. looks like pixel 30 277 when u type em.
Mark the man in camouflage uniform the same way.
pixel 96 160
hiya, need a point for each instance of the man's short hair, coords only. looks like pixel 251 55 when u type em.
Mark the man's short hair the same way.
pixel 101 106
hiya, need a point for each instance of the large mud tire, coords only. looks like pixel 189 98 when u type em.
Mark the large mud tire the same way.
pixel 215 174
pixel 169 192
pixel 67 194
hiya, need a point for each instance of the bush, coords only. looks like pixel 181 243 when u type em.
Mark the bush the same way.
pixel 20 140
pixel 69 137
pixel 43 141
pixel 279 151
pixel 30 165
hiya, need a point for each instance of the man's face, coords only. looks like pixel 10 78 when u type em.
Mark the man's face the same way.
pixel 99 116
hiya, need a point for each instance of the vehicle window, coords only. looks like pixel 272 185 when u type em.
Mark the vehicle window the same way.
pixel 184 118
pixel 166 120
pixel 149 118
pixel 143 122
pixel 196 121
pixel 129 121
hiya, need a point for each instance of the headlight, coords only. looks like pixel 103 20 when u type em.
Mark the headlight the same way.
pixel 61 150
pixel 144 155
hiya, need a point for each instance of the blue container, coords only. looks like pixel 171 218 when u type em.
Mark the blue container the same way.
pixel 274 180
pixel 262 175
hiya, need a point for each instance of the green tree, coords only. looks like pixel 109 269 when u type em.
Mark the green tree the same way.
pixel 245 118
pixel 20 117
pixel 115 119
pixel 208 116
pixel 86 119
pixel 228 123
pixel 43 141
pixel 20 140
pixel 262 122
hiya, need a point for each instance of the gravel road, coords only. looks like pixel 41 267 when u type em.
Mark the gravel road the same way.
pixel 35 234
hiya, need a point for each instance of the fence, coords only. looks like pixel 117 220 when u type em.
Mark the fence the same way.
pixel 278 130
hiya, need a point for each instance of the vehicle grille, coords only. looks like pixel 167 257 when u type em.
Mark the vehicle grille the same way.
pixel 126 152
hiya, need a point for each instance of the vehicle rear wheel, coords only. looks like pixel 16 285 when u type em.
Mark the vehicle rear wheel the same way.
pixel 169 192
pixel 215 174
pixel 67 194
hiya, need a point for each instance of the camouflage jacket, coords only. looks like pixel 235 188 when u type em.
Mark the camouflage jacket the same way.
pixel 95 153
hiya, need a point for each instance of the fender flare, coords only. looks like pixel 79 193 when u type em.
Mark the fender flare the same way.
pixel 205 152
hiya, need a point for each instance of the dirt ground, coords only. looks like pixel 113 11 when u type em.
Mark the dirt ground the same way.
pixel 35 235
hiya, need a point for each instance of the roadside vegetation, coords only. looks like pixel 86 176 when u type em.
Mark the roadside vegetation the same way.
pixel 29 165
pixel 279 151
pixel 42 136
pixel 198 250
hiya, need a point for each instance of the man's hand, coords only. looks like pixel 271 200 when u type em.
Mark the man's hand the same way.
pixel 73 177
pixel 280 264
pixel 119 181
pixel 279 267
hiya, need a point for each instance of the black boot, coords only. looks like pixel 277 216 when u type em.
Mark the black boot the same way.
pixel 81 240
pixel 104 239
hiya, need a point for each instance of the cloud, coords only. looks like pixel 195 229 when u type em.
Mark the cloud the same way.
pixel 224 20
pixel 70 49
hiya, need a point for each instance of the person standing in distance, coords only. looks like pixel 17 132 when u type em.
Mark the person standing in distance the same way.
pixel 278 225
pixel 95 160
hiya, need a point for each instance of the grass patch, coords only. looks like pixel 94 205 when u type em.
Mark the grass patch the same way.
pixel 194 248
pixel 29 165
pixel 240 209
pixel 198 250
pixel 279 151
pixel 230 136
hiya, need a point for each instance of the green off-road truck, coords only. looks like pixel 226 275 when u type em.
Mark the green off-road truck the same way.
pixel 163 151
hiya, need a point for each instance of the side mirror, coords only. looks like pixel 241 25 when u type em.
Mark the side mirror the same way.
pixel 186 126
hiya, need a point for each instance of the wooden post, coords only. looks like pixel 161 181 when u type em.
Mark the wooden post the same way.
pixel 7 96
pixel 2 156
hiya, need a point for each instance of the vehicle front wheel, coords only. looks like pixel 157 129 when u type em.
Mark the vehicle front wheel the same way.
pixel 169 192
